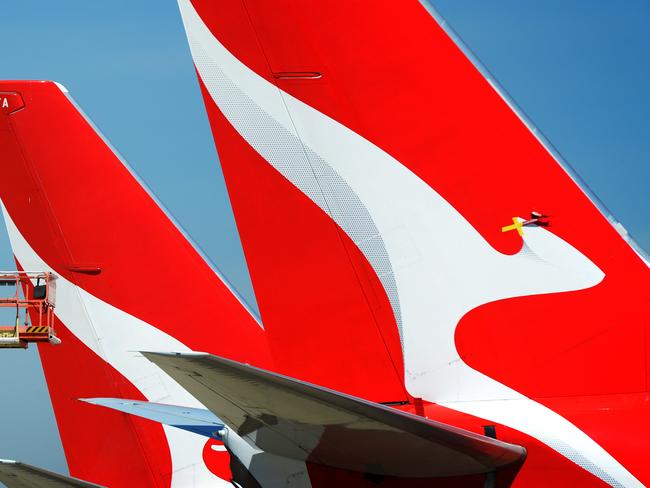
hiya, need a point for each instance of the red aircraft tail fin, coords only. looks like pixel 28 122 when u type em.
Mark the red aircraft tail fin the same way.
pixel 407 229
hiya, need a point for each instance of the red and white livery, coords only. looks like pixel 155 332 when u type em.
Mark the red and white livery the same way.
pixel 441 303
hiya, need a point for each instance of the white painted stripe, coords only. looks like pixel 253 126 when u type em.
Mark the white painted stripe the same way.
pixel 270 130
pixel 114 336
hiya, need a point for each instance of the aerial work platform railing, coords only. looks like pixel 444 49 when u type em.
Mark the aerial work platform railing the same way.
pixel 29 298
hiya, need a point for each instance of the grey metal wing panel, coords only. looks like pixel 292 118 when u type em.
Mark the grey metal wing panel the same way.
pixel 15 474
pixel 302 421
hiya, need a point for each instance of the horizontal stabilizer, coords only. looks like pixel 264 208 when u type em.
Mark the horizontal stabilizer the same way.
pixel 197 420
pixel 15 474
pixel 290 418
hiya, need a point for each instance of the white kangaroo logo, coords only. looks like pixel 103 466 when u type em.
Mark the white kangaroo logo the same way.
pixel 443 268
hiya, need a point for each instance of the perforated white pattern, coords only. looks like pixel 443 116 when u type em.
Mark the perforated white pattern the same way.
pixel 304 168
pixel 570 453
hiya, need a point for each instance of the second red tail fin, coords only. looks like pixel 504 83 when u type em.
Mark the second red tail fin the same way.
pixel 128 280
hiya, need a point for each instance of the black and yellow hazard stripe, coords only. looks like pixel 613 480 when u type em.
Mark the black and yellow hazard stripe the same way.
pixel 37 329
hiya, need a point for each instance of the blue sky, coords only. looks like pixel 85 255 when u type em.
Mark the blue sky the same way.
pixel 579 69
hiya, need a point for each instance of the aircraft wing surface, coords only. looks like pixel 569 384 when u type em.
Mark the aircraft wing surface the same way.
pixel 302 421
pixel 15 474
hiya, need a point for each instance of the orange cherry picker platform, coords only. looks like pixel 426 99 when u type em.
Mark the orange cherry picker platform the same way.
pixel 32 296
